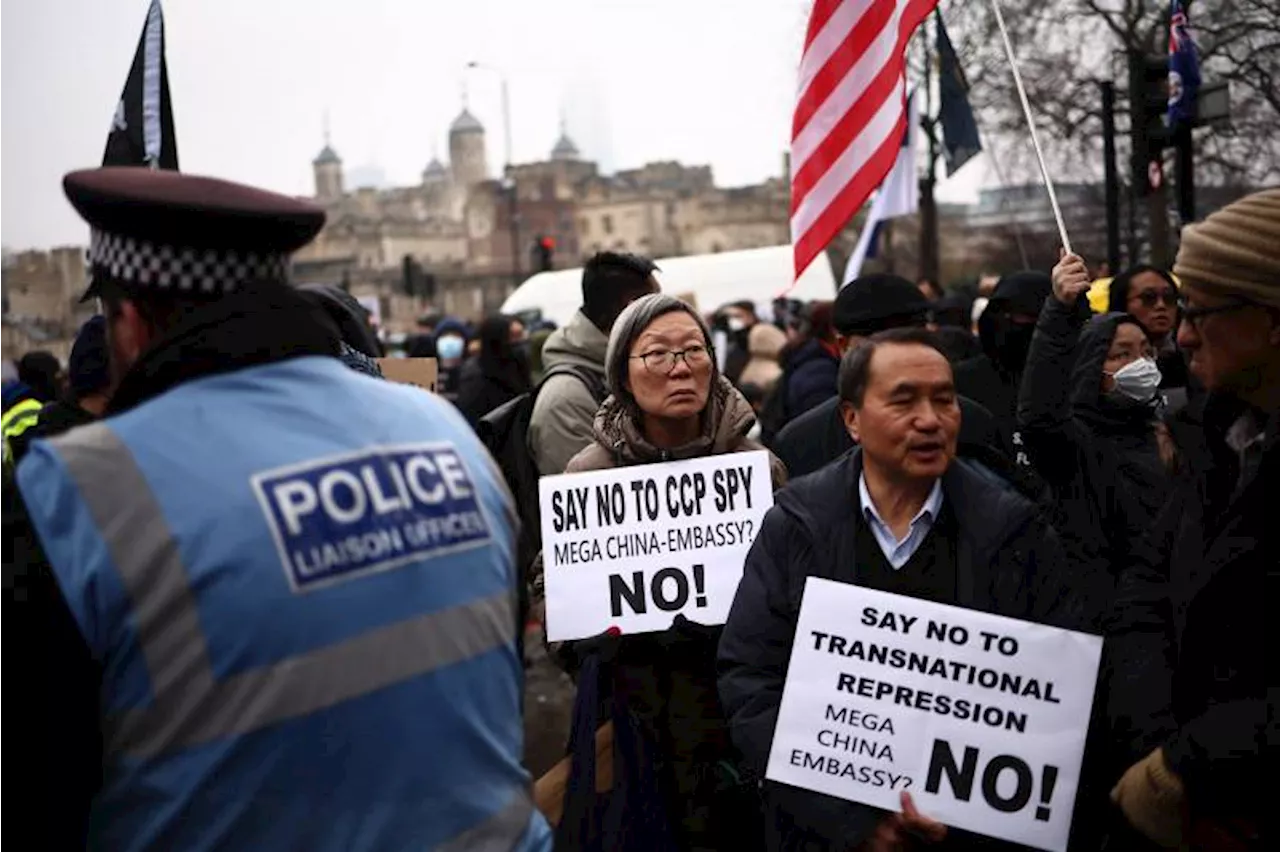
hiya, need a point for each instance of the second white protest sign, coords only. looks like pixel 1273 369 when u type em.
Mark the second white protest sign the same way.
pixel 632 547
pixel 981 718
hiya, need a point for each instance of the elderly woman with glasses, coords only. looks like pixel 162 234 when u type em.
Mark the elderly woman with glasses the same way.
pixel 670 402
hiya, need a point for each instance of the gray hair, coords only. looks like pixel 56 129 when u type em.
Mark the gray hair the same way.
pixel 631 323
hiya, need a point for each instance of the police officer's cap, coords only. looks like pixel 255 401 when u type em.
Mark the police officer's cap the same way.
pixel 161 231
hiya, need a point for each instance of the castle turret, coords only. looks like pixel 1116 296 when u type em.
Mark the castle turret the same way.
pixel 466 150
pixel 328 173
pixel 435 173
pixel 565 149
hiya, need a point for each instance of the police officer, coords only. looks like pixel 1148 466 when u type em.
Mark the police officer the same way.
pixel 273 599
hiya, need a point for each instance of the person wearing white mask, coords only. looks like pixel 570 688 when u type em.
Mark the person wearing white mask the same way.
pixel 1089 410
pixel 451 351
pixel 1089 413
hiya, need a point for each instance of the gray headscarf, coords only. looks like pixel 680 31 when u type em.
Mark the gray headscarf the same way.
pixel 630 325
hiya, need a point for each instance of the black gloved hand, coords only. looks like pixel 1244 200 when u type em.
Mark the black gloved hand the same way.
pixel 572 653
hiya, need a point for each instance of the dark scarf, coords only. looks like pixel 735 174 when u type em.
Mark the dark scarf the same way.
pixel 258 326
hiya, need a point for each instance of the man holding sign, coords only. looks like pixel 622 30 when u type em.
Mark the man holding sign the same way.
pixel 900 515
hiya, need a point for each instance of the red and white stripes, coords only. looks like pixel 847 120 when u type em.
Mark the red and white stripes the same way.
pixel 850 113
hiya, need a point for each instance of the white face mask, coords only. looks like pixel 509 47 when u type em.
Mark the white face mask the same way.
pixel 450 347
pixel 1137 380
pixel 735 324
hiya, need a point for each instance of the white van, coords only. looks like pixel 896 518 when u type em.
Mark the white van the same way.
pixel 711 280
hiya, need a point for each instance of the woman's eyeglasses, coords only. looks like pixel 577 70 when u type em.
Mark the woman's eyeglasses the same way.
pixel 1150 297
pixel 663 361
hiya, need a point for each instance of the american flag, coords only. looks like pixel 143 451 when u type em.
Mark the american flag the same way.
pixel 850 113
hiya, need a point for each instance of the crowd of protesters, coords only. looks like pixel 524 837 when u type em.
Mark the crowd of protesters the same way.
pixel 1093 455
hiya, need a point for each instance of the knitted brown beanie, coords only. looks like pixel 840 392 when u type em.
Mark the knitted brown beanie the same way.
pixel 1236 251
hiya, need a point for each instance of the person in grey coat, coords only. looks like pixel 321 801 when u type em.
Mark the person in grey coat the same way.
pixel 560 426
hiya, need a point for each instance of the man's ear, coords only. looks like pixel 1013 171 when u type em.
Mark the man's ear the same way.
pixel 850 416
pixel 129 333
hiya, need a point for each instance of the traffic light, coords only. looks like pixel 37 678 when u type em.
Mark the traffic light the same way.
pixel 416 281
pixel 545 249
pixel 1148 103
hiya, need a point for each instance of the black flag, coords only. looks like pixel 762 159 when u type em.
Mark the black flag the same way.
pixel 142 128
pixel 959 130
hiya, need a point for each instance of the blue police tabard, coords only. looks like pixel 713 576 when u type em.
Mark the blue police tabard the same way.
pixel 299 582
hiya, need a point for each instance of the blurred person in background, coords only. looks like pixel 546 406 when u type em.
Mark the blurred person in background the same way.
pixel 451 351
pixel 993 378
pixel 764 344
pixel 1149 295
pixel 755 397
pixel 810 366
pixel 40 381
pixel 950 318
pixel 499 372
pixel 930 289
pixel 42 372
pixel 422 343
pixel 88 392
pixel 360 344
pixel 736 319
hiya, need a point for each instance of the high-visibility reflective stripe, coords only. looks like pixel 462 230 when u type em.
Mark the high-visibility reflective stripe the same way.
pixel 190 706
pixel 20 409
pixel 17 420
pixel 146 557
pixel 22 423
pixel 500 831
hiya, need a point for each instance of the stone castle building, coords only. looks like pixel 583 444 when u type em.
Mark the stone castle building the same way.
pixel 41 294
pixel 473 234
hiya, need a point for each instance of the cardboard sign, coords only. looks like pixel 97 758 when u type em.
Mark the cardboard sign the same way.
pixel 420 372
pixel 982 718
pixel 635 546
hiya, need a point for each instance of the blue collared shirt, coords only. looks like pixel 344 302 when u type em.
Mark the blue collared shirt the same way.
pixel 899 552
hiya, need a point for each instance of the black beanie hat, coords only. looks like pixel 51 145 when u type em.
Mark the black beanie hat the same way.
pixel 87 367
pixel 871 303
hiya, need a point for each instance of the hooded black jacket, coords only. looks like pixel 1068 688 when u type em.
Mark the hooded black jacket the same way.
pixel 1195 671
pixel 992 379
pixel 1098 455
pixel 1008 560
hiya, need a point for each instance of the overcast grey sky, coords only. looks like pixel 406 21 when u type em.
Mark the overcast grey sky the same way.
pixel 701 81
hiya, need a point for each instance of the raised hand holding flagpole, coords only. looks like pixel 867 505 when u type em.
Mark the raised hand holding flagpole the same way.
pixel 1031 125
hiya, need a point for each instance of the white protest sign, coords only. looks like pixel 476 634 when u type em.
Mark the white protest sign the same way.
pixel 982 718
pixel 634 546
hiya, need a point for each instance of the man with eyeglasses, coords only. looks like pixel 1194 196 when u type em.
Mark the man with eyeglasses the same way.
pixel 1192 688
pixel 1150 295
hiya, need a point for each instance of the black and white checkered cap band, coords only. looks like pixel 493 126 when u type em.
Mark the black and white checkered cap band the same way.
pixel 184 269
